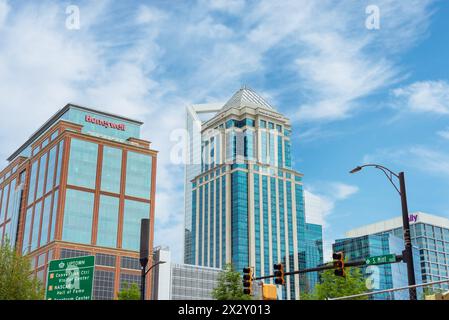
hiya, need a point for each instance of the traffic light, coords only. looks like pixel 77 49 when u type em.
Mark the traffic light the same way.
pixel 279 274
pixel 339 263
pixel 247 281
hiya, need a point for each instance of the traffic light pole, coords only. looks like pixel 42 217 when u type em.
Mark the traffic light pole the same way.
pixel 356 263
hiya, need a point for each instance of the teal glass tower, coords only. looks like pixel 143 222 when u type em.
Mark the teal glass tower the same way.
pixel 247 203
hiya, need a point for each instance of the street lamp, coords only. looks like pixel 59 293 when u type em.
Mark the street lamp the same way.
pixel 144 274
pixel 407 254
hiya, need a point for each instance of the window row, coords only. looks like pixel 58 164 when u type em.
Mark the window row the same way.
pixel 78 220
pixel 83 169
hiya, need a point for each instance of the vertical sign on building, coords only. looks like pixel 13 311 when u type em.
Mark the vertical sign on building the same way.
pixel 70 279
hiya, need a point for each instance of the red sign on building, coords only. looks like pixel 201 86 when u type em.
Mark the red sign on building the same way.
pixel 105 123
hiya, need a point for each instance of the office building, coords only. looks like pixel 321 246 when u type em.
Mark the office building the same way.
pixel 172 281
pixel 380 277
pixel 429 233
pixel 314 255
pixel 80 186
pixel 194 116
pixel 247 203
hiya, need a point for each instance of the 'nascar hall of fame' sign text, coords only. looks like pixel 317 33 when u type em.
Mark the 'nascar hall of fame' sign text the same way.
pixel 70 279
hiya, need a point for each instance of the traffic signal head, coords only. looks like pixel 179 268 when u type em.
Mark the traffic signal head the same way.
pixel 339 263
pixel 279 274
pixel 247 280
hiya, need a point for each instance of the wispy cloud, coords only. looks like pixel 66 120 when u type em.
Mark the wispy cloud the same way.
pixel 423 97
pixel 444 134
pixel 418 157
pixel 149 62
pixel 320 204
pixel 4 10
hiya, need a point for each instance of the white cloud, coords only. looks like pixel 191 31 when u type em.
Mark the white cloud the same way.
pixel 418 157
pixel 319 206
pixel 230 6
pixel 4 10
pixel 444 134
pixel 343 191
pixel 424 97
pixel 147 15
pixel 43 66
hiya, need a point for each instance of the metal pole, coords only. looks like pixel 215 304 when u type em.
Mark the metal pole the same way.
pixel 408 252
pixel 143 283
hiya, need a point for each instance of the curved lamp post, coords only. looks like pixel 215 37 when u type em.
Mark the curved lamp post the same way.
pixel 407 253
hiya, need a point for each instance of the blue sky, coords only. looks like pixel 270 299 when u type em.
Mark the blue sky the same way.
pixel 354 95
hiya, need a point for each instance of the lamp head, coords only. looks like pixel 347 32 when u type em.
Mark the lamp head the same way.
pixel 356 169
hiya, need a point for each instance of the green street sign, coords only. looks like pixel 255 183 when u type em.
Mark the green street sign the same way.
pixel 70 279
pixel 387 258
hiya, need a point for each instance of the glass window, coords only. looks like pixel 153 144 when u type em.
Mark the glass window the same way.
pixel 138 175
pixel 78 212
pixel 41 177
pixel 33 177
pixel 134 212
pixel 54 215
pixel 51 169
pixel 58 169
pixel 4 203
pixel 45 221
pixel 26 233
pixel 83 163
pixel 112 169
pixel 36 225
pixel 108 221
pixel 279 128
pixel 54 135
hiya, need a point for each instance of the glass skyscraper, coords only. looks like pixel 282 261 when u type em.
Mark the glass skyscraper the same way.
pixel 381 277
pixel 429 233
pixel 247 203
pixel 80 186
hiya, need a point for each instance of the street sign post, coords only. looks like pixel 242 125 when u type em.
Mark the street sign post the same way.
pixel 387 258
pixel 70 279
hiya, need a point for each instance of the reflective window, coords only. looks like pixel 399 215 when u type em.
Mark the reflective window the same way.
pixel 138 175
pixel 83 163
pixel 107 221
pixel 33 177
pixel 112 168
pixel 78 212
pixel 41 176
pixel 58 168
pixel 4 203
pixel 51 169
pixel 36 225
pixel 54 215
pixel 134 212
pixel 45 221
pixel 26 233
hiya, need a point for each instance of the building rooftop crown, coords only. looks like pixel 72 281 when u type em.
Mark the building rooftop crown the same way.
pixel 246 97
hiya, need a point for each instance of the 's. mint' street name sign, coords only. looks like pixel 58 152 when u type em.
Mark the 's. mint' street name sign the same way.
pixel 70 279
pixel 387 258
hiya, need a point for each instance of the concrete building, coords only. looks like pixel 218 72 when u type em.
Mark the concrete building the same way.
pixel 172 281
